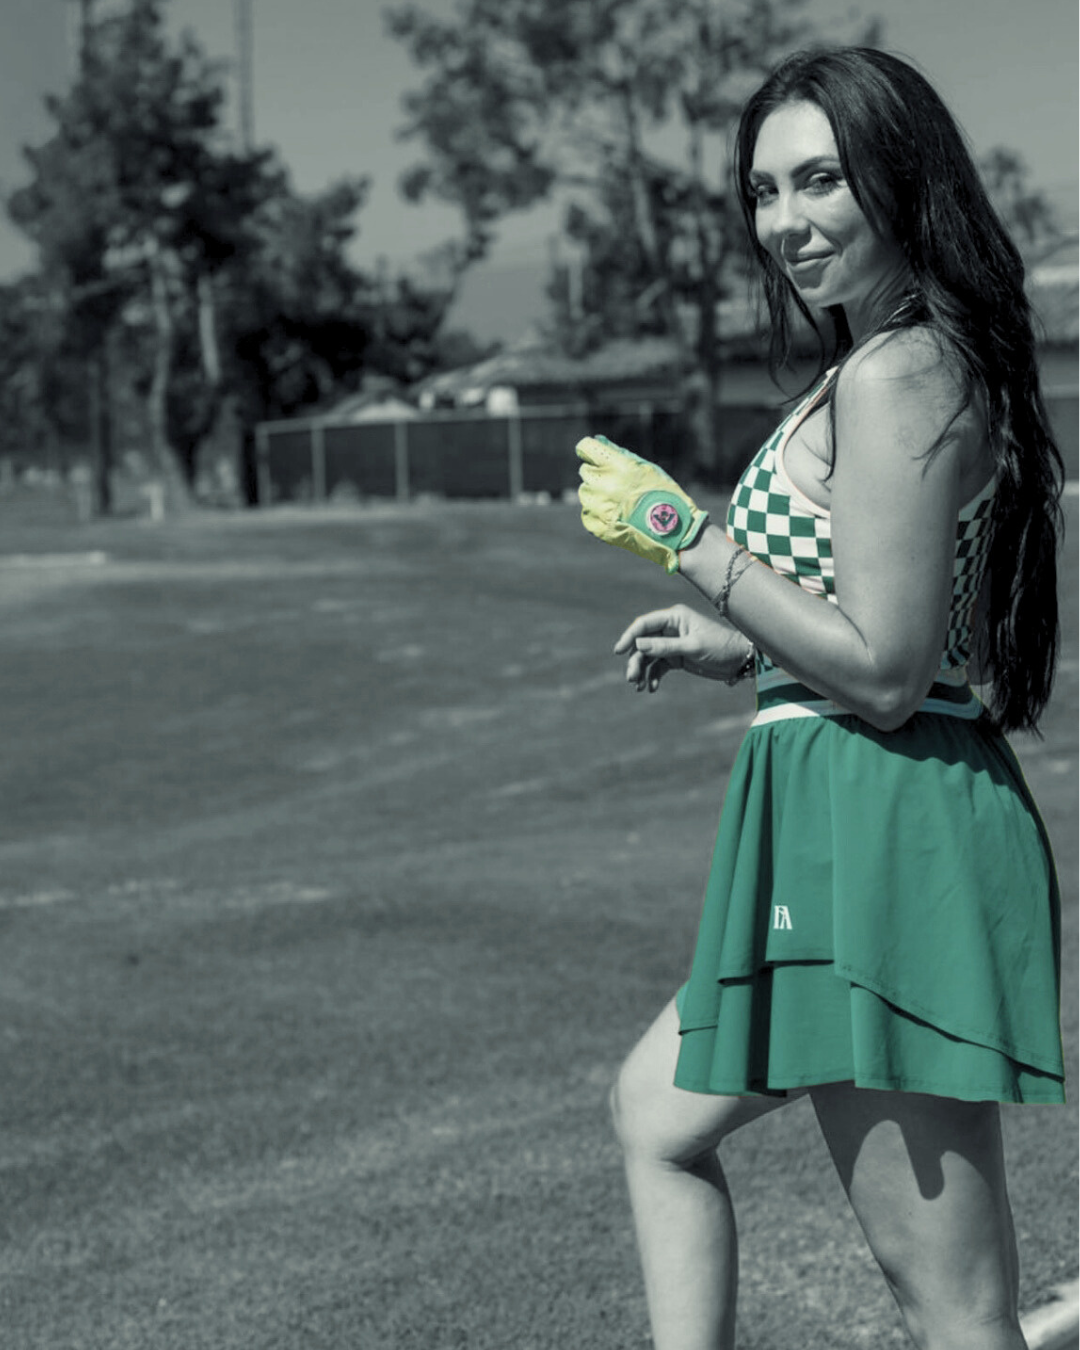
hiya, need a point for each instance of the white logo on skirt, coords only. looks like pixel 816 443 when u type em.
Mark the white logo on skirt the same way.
pixel 781 917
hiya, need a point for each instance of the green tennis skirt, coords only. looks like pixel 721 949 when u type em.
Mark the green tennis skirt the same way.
pixel 882 909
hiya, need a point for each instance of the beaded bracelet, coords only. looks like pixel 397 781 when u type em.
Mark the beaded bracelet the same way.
pixel 740 556
pixel 747 668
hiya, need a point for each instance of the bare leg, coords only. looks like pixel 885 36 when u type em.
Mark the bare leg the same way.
pixel 926 1178
pixel 682 1210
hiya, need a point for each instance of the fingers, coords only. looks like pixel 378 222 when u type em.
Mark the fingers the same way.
pixel 605 454
pixel 636 666
pixel 595 500
pixel 655 674
pixel 651 678
pixel 597 511
pixel 652 654
pixel 598 452
pixel 654 624
pixel 645 672
pixel 655 643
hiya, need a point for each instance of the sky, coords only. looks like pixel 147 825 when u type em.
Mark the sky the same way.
pixel 328 83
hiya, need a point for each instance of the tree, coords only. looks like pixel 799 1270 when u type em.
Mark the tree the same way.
pixel 294 309
pixel 407 315
pixel 305 325
pixel 623 108
pixel 137 202
pixel 43 394
pixel 217 281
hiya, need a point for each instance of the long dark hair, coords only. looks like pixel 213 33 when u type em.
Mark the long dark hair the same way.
pixel 909 170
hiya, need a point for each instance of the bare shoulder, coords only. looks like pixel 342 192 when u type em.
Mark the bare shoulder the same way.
pixel 906 362
pixel 909 382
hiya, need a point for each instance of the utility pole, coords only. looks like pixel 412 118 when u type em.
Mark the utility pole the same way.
pixel 574 269
pixel 98 367
pixel 245 98
pixel 246 438
pixel 80 14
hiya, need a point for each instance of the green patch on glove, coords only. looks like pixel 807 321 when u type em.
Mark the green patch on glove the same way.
pixel 628 502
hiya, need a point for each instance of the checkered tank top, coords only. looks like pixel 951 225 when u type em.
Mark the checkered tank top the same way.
pixel 774 521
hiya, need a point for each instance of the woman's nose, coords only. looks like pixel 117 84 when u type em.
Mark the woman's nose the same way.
pixel 787 220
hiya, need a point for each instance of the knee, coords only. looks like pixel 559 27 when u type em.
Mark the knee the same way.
pixel 635 1108
pixel 657 1122
pixel 966 1331
pixel 953 1297
pixel 650 1122
pixel 953 1317
pixel 626 1118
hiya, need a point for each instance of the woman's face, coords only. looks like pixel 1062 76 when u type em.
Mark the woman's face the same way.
pixel 809 222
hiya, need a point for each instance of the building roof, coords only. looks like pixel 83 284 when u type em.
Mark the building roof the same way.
pixel 371 408
pixel 531 362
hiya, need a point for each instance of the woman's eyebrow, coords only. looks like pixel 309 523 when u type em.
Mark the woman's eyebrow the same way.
pixel 815 162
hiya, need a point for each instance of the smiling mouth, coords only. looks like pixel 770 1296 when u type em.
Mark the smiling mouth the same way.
pixel 799 263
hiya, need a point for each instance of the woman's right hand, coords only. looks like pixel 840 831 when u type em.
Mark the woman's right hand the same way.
pixel 680 638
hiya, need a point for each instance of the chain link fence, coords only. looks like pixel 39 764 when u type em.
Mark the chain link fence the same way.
pixel 477 454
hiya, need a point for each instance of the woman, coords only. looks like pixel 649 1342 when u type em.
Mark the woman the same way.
pixel 880 927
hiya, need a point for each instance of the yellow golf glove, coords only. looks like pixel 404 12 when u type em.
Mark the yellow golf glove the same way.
pixel 628 502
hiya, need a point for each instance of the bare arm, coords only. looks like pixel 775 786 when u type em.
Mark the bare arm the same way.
pixel 894 515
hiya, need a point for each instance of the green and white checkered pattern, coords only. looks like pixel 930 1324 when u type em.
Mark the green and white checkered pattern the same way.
pixel 768 523
pixel 972 548
pixel 764 519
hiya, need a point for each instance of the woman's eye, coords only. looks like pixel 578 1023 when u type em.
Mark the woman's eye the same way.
pixel 822 183
pixel 762 192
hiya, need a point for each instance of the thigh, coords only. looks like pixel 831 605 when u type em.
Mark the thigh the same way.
pixel 652 1115
pixel 926 1178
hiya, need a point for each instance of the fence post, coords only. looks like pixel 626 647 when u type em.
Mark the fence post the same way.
pixel 401 461
pixel 263 485
pixel 318 462
pixel 516 456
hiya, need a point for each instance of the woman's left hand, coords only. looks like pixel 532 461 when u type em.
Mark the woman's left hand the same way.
pixel 680 638
pixel 628 502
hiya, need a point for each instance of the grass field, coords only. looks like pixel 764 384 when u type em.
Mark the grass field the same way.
pixel 340 869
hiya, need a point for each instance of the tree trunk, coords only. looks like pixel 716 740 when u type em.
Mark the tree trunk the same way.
pixel 249 466
pixel 101 428
pixel 219 414
pixel 705 423
pixel 646 226
pixel 208 340
pixel 176 490
pixel 701 392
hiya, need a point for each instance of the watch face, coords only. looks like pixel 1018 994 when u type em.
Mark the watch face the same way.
pixel 663 518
